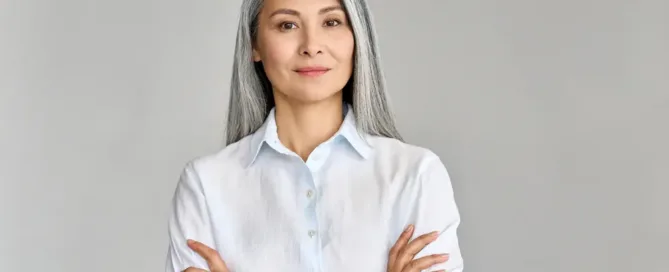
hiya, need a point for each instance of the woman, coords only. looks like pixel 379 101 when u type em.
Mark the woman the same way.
pixel 315 176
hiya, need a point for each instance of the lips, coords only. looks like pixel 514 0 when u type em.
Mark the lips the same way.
pixel 312 71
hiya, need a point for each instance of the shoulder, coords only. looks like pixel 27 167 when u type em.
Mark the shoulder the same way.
pixel 404 156
pixel 229 159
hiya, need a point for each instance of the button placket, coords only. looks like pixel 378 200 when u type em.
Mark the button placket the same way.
pixel 310 194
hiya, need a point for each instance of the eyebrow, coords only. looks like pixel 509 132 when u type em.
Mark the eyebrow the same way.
pixel 296 13
pixel 331 8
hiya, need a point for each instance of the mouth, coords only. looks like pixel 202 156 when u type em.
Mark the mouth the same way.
pixel 312 71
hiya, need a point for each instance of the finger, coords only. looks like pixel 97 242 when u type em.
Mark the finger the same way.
pixel 407 254
pixel 209 254
pixel 425 262
pixel 399 244
pixel 195 269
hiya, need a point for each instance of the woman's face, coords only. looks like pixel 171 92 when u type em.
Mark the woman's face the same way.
pixel 306 48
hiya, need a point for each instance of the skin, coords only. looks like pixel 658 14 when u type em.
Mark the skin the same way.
pixel 292 35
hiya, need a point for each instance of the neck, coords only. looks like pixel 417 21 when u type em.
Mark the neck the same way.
pixel 301 127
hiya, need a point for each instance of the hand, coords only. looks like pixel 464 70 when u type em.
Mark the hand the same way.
pixel 401 256
pixel 214 260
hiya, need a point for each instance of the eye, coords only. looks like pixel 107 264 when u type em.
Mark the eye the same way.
pixel 332 23
pixel 287 25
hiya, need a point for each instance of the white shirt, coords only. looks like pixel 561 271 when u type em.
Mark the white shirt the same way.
pixel 265 209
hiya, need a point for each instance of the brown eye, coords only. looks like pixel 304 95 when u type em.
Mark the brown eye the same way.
pixel 287 25
pixel 332 23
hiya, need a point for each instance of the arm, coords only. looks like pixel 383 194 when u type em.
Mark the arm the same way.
pixel 436 210
pixel 189 219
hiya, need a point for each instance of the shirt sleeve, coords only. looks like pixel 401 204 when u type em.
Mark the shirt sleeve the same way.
pixel 189 219
pixel 436 210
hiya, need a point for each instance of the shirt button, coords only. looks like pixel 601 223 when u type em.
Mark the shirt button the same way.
pixel 312 233
pixel 310 193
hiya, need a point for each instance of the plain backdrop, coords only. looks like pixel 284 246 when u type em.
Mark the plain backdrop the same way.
pixel 552 117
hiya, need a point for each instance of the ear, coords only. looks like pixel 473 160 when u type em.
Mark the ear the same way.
pixel 256 55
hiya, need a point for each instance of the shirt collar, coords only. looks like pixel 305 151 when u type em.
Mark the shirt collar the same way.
pixel 267 134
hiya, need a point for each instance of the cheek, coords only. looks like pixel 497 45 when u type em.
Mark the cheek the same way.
pixel 277 53
pixel 345 48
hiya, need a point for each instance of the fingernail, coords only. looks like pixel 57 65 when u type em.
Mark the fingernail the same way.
pixel 190 242
pixel 443 257
pixel 409 228
pixel 434 234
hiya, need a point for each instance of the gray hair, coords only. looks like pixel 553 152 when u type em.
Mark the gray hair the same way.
pixel 251 96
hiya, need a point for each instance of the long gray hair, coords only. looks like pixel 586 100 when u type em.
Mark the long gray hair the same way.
pixel 251 96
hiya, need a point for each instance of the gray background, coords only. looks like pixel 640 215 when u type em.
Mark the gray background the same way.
pixel 552 117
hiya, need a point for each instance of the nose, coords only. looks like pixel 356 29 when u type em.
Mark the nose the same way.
pixel 311 43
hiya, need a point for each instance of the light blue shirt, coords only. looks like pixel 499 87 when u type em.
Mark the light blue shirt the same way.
pixel 265 209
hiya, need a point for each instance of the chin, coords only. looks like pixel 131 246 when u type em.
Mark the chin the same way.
pixel 313 96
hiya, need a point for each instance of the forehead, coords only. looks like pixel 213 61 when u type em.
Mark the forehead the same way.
pixel 303 5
